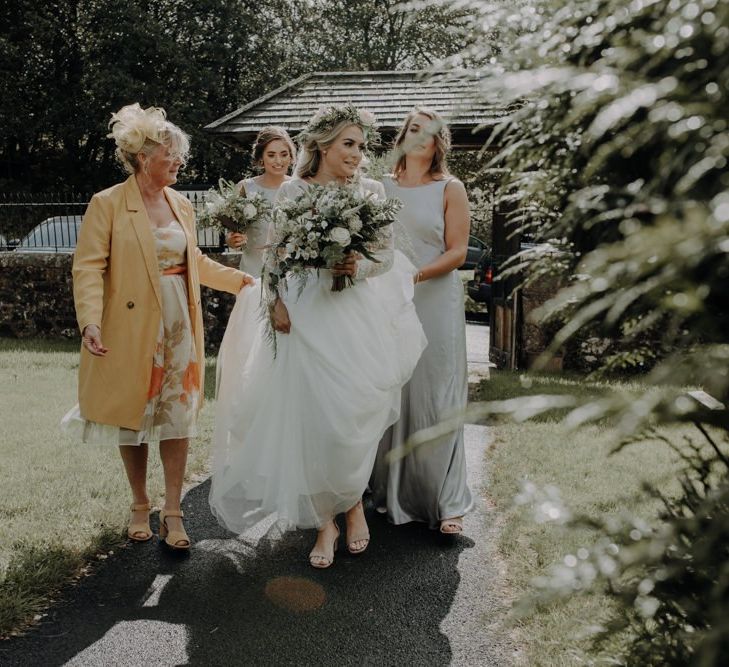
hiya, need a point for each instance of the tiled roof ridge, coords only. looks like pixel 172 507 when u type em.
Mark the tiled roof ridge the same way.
pixel 292 104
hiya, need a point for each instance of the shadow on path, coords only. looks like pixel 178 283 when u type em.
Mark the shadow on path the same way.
pixel 255 600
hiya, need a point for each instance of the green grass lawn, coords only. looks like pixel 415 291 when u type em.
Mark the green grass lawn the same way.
pixel 591 480
pixel 60 501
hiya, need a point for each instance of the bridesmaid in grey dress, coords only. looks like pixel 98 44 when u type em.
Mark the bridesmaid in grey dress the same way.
pixel 428 484
pixel 273 153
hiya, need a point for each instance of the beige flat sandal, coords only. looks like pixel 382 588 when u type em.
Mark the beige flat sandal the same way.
pixel 175 539
pixel 140 531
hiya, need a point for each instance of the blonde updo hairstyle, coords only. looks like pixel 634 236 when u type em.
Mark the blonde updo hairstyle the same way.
pixel 265 137
pixel 136 130
pixel 438 129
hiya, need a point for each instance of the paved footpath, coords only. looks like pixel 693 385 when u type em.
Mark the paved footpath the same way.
pixel 413 598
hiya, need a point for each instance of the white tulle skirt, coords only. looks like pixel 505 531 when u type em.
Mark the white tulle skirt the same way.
pixel 297 434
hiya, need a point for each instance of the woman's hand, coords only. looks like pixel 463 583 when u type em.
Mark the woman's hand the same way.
pixel 91 338
pixel 248 280
pixel 280 317
pixel 347 267
pixel 236 240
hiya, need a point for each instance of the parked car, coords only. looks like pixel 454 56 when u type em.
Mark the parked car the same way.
pixel 59 234
pixel 479 289
pixel 56 234
pixel 476 248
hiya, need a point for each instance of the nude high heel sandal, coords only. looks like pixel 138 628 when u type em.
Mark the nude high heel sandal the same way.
pixel 362 537
pixel 140 531
pixel 175 539
pixel 321 560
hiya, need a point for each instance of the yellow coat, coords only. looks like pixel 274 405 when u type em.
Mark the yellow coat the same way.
pixel 116 286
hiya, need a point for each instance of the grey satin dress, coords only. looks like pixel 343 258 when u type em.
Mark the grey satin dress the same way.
pixel 251 260
pixel 429 483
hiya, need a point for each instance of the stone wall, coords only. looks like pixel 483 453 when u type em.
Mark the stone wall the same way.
pixel 36 298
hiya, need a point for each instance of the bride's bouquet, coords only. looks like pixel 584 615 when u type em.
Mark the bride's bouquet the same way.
pixel 230 209
pixel 320 227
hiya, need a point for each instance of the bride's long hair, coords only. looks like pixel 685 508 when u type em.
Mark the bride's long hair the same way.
pixel 312 143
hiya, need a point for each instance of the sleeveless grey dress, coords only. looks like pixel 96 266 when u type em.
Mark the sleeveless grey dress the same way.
pixel 429 483
pixel 251 260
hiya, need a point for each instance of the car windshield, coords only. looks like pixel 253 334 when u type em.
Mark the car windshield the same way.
pixel 57 232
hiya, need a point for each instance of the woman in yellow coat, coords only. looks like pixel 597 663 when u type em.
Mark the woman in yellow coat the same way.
pixel 136 281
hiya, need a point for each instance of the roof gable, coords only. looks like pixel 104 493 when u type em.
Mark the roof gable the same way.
pixel 388 95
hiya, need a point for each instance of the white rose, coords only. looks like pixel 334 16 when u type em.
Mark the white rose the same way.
pixel 340 236
pixel 355 224
pixel 250 211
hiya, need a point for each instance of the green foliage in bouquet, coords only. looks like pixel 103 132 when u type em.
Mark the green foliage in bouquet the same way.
pixel 318 229
pixel 228 209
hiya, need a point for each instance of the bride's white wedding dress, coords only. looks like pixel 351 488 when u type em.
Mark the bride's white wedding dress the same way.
pixel 297 434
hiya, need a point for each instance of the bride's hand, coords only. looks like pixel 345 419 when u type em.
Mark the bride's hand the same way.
pixel 348 267
pixel 280 317
pixel 236 240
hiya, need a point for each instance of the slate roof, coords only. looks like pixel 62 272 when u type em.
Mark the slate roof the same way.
pixel 389 95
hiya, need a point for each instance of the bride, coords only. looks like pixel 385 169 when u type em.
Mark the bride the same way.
pixel 296 433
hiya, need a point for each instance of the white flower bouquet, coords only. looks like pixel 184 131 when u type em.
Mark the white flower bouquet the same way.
pixel 230 209
pixel 319 228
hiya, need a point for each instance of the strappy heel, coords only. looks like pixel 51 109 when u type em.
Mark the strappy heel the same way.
pixel 140 531
pixel 363 536
pixel 325 559
pixel 175 539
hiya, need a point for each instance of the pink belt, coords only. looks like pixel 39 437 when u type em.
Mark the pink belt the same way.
pixel 174 270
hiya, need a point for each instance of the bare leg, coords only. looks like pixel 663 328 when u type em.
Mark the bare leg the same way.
pixel 322 555
pixel 358 534
pixel 135 464
pixel 174 461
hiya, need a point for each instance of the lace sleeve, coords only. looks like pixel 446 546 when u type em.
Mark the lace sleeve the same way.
pixel 385 255
pixel 385 252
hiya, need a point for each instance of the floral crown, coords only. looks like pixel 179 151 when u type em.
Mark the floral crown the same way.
pixel 329 117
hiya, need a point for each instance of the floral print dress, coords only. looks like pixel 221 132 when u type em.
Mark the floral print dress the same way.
pixel 174 391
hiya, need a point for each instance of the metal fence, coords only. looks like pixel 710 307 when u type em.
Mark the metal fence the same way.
pixel 50 222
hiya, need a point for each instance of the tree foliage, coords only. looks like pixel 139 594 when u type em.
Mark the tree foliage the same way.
pixel 617 158
pixel 67 64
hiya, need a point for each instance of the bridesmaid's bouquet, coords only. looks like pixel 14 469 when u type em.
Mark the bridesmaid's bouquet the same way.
pixel 320 227
pixel 230 209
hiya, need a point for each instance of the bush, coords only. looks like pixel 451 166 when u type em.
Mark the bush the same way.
pixel 616 153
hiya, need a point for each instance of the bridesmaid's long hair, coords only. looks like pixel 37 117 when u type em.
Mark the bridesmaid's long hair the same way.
pixel 266 136
pixel 440 132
